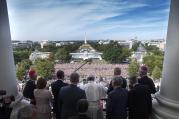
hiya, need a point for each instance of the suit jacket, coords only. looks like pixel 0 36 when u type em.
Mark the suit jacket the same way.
pixel 124 85
pixel 56 87
pixel 68 98
pixel 116 106
pixel 139 102
pixel 28 91
pixel 80 116
pixel 145 80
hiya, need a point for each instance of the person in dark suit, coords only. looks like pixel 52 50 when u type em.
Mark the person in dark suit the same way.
pixel 145 80
pixel 56 87
pixel 148 82
pixel 116 105
pixel 82 107
pixel 139 100
pixel 30 86
pixel 117 73
pixel 69 96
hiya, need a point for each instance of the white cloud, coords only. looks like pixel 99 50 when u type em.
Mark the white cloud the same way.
pixel 66 20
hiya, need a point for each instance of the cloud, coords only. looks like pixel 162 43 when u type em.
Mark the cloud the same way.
pixel 69 19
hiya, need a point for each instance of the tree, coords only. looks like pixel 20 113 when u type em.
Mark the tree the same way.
pixel 115 53
pixel 49 48
pixel 51 57
pixel 153 60
pixel 125 53
pixel 44 67
pixel 133 68
pixel 36 46
pixel 22 68
pixel 20 55
pixel 63 55
pixel 135 45
pixel 153 49
pixel 112 55
pixel 156 73
pixel 98 47
pixel 72 47
pixel 149 61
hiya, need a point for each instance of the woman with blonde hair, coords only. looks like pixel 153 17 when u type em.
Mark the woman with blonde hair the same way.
pixel 43 99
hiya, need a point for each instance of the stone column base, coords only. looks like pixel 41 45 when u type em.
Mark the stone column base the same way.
pixel 162 110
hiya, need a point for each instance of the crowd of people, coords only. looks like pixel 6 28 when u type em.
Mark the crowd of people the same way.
pixel 125 98
pixel 105 70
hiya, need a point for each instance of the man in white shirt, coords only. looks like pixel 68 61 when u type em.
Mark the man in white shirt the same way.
pixel 94 93
pixel 82 84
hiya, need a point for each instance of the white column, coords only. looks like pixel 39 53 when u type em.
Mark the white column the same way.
pixel 167 104
pixel 7 67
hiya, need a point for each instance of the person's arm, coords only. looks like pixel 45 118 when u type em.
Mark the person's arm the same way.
pixel 60 102
pixel 130 100
pixel 83 95
pixel 110 88
pixel 50 98
pixel 52 89
pixel 152 87
pixel 130 104
pixel 109 107
pixel 149 101
pixel 124 85
pixel 103 92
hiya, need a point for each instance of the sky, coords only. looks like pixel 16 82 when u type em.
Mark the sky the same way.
pixel 59 20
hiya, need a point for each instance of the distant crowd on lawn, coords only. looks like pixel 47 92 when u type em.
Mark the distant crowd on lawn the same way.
pixel 98 70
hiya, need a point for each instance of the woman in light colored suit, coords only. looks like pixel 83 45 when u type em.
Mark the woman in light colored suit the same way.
pixel 43 99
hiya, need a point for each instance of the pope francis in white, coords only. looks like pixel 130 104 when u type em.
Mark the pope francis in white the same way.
pixel 94 92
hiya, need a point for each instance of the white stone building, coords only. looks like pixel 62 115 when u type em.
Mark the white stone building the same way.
pixel 44 43
pixel 38 55
pixel 22 44
pixel 160 43
pixel 86 51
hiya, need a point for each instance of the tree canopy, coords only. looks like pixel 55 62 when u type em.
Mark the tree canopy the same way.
pixel 45 68
pixel 21 54
pixel 156 73
pixel 112 52
pixel 136 45
pixel 133 68
pixel 153 60
pixel 153 49
pixel 22 68
pixel 63 55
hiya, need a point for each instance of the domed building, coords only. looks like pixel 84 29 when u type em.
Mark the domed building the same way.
pixel 86 51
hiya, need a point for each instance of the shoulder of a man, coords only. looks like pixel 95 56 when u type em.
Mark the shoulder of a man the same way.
pixel 65 84
pixel 79 89
pixel 125 90
pixel 150 79
pixel 64 89
pixel 113 92
pixel 53 84
pixel 29 82
pixel 67 87
pixel 124 79
pixel 143 87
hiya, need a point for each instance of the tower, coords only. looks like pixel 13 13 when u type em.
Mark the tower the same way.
pixel 85 38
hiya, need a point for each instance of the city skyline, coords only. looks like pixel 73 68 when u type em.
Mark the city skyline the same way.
pixel 100 19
